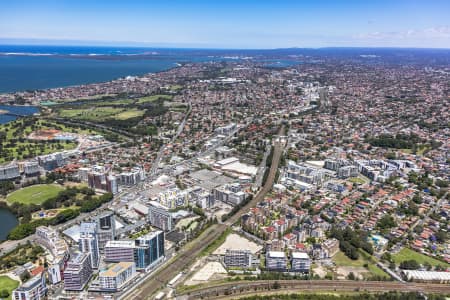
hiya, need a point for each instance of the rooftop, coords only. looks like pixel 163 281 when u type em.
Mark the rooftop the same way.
pixel 116 269
pixel 276 254
pixel 300 255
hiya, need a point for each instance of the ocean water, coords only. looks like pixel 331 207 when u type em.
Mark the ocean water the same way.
pixel 19 73
pixel 39 67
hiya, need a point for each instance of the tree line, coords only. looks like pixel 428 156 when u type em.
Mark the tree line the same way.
pixel 366 296
pixel 66 198
pixel 350 241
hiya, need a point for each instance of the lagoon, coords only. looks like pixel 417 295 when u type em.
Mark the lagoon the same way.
pixel 15 110
pixel 7 222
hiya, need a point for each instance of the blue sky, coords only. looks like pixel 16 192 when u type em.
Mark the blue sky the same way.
pixel 229 24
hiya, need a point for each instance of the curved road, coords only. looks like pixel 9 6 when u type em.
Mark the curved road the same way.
pixel 187 255
pixel 239 289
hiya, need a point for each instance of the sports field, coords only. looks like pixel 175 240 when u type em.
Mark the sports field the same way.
pixel 35 194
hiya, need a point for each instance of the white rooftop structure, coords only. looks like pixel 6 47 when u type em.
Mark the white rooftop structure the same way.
pixel 300 255
pixel 240 168
pixel 427 275
pixel 161 180
pixel 276 254
pixel 120 244
pixel 73 232
pixel 141 208
pixel 227 161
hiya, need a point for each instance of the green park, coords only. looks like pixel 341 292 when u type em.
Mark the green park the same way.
pixel 36 194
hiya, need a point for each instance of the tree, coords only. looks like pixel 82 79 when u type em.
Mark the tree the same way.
pixel 386 222
pixel 4 294
pixel 410 264
pixel 351 276
pixel 24 276
pixel 441 236
pixel 386 256
pixel 276 285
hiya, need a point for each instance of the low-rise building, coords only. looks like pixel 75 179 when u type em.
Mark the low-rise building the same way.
pixel 238 258
pixel 31 168
pixel 331 247
pixel 300 262
pixel 173 198
pixel 9 172
pixel 426 276
pixel 33 289
pixel 230 194
pixel 114 278
pixel 276 260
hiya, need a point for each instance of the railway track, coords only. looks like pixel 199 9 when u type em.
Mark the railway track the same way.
pixel 148 287
pixel 240 289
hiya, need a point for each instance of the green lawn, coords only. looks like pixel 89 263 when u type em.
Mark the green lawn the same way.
pixel 216 243
pixel 90 114
pixel 154 98
pixel 47 124
pixel 8 284
pixel 193 226
pixel 357 180
pixel 128 114
pixel 375 270
pixel 16 146
pixel 23 150
pixel 115 102
pixel 408 254
pixel 364 258
pixel 35 194
pixel 343 261
pixel 101 113
pixel 185 222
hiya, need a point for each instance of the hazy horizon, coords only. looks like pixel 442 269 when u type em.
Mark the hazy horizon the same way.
pixel 131 44
pixel 230 24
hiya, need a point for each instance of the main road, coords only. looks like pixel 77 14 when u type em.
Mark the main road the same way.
pixel 187 255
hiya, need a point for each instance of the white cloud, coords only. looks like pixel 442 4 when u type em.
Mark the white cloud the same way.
pixel 433 37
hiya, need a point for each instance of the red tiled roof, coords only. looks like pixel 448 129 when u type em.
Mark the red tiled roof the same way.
pixel 37 270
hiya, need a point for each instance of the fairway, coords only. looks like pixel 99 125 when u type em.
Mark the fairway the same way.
pixel 8 284
pixel 101 113
pixel 90 114
pixel 35 194
pixel 133 113
pixel 407 254
pixel 15 145
pixel 154 98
